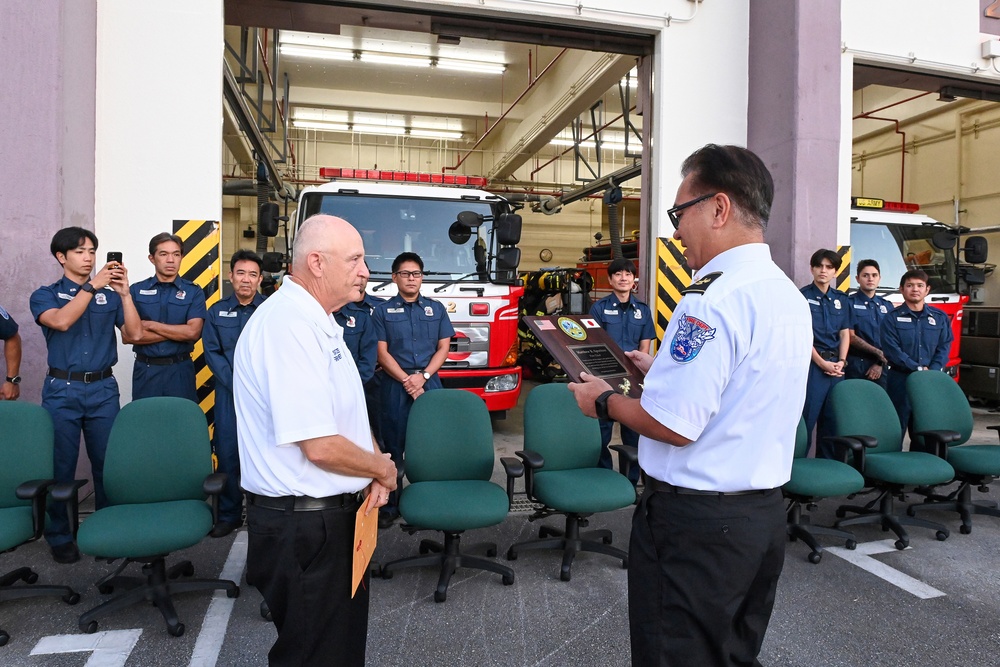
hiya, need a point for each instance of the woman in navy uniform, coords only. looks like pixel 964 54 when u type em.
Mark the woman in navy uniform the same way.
pixel 414 334
pixel 831 318
pixel 78 315
pixel 917 337
pixel 173 313
pixel 223 326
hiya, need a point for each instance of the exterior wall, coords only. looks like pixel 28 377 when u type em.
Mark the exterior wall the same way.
pixel 47 148
pixel 158 127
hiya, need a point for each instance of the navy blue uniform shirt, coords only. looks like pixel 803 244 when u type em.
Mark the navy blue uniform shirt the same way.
pixel 628 324
pixel 223 325
pixel 170 303
pixel 868 314
pixel 90 344
pixel 359 334
pixel 412 330
pixel 831 313
pixel 8 327
pixel 912 339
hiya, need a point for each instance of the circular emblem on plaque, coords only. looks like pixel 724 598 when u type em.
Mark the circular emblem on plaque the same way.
pixel 572 329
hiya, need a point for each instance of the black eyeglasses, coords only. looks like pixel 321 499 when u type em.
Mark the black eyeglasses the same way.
pixel 409 274
pixel 675 219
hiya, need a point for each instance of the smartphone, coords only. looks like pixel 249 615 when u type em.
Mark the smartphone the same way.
pixel 115 257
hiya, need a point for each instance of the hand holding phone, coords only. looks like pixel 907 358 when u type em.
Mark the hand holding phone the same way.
pixel 115 257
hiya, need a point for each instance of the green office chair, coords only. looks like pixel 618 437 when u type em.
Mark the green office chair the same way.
pixel 25 478
pixel 812 480
pixel 561 450
pixel 862 411
pixel 942 423
pixel 157 473
pixel 449 462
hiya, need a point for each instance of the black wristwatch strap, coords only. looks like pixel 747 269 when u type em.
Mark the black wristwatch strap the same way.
pixel 601 404
pixel 87 287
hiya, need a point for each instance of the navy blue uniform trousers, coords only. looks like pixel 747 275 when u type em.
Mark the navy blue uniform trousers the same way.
pixel 172 380
pixel 225 444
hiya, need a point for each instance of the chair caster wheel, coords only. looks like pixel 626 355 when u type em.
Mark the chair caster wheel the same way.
pixel 423 549
pixel 851 545
pixel 508 581
pixel 511 554
pixel 902 544
pixel 440 596
pixel 31 578
pixel 565 575
pixel 942 535
pixel 4 638
pixel 105 589
pixel 544 532
pixel 607 540
pixel 965 530
pixel 815 557
pixel 265 613
pixel 89 628
pixel 491 552
pixel 71 598
pixel 176 630
pixel 233 592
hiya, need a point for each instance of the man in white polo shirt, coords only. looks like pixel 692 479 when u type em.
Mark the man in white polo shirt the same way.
pixel 306 451
pixel 717 420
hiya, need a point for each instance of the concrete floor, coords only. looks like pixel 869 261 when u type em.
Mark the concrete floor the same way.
pixel 833 613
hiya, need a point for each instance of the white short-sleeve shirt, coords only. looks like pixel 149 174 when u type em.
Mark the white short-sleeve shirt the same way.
pixel 731 376
pixel 294 379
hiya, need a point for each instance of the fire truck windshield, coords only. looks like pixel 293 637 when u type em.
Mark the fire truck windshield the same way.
pixel 898 248
pixel 391 225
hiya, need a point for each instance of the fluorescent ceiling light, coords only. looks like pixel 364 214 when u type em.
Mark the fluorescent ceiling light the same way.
pixel 606 145
pixel 395 59
pixel 320 125
pixel 361 128
pixel 318 52
pixel 434 134
pixel 482 67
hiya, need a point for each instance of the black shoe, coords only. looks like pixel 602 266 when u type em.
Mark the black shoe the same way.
pixel 386 518
pixel 65 553
pixel 223 528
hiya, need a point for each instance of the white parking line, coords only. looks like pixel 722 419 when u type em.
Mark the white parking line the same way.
pixel 862 557
pixel 213 629
pixel 110 649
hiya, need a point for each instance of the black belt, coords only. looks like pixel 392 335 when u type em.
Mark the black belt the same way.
pixel 306 503
pixel 658 486
pixel 80 376
pixel 829 355
pixel 163 361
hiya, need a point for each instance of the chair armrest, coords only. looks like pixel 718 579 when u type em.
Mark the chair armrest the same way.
pixel 212 486
pixel 856 444
pixel 868 441
pixel 66 492
pixel 939 440
pixel 995 428
pixel 513 468
pixel 533 461
pixel 628 456
pixel 33 488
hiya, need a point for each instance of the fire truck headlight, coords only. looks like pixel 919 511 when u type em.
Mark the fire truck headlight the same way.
pixel 502 383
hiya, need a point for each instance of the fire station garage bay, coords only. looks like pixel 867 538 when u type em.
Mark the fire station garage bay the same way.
pixel 517 146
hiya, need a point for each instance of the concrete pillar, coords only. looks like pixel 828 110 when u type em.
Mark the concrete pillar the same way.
pixel 47 151
pixel 794 123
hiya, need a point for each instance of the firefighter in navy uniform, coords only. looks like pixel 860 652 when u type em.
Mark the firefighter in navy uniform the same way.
pixel 832 323
pixel 173 313
pixel 866 360
pixel 629 322
pixel 414 334
pixel 916 337
pixel 359 334
pixel 223 326
pixel 78 315
pixel 11 388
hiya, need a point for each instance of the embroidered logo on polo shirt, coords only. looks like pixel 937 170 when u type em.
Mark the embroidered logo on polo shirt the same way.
pixel 883 309
pixel 181 294
pixel 931 321
pixel 691 336
pixel 836 304
pixel 350 321
pixel 637 314
pixel 429 311
pixel 337 354
pixel 101 299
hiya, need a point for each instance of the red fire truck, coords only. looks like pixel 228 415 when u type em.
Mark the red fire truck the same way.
pixel 467 238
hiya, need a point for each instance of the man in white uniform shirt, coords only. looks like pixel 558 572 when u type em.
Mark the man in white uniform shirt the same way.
pixel 717 418
pixel 306 451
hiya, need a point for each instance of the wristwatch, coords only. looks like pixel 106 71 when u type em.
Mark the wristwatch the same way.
pixel 14 380
pixel 427 376
pixel 87 287
pixel 601 404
